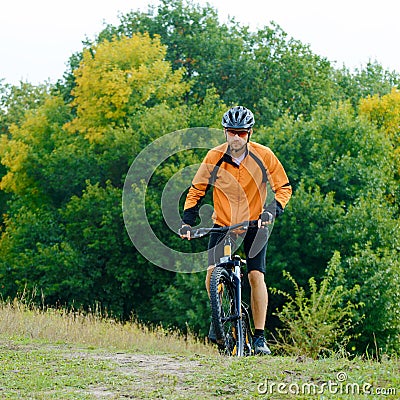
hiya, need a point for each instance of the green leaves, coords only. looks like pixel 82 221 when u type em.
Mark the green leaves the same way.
pixel 344 175
pixel 65 151
pixel 335 150
pixel 317 324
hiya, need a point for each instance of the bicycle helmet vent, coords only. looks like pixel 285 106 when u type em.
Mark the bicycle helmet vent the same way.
pixel 238 118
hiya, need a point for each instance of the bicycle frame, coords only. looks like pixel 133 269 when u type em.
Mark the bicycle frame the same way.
pixel 238 341
pixel 232 265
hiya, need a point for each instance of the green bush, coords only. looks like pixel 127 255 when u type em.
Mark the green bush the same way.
pixel 319 323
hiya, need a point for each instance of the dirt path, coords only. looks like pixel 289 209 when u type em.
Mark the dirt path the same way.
pixel 149 373
pixel 46 370
pixel 35 370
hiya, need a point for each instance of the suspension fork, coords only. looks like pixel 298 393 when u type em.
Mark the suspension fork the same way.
pixel 236 273
pixel 238 298
pixel 238 285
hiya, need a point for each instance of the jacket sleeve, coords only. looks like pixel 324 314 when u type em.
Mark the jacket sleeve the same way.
pixel 279 182
pixel 197 191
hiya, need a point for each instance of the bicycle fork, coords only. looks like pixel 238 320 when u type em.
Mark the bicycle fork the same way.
pixel 238 301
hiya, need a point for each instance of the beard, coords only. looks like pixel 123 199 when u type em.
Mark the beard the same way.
pixel 237 147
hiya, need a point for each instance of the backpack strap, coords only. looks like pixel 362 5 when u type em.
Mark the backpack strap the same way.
pixel 261 165
pixel 225 157
pixel 213 176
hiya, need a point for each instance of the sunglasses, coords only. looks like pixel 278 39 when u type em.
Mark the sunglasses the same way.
pixel 241 134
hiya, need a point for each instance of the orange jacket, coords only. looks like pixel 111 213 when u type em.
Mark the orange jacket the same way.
pixel 240 191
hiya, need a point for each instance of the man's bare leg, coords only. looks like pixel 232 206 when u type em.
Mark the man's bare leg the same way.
pixel 259 304
pixel 259 298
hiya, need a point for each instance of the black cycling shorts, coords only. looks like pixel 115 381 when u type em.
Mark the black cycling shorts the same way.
pixel 254 245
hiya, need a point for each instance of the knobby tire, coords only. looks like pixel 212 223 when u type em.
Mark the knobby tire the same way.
pixel 223 306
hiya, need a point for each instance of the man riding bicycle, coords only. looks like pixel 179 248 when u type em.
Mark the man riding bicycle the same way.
pixel 239 170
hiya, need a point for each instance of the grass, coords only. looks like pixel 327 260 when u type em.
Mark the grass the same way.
pixel 54 354
pixel 60 326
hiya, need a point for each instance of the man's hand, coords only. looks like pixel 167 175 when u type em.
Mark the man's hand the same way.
pixel 185 232
pixel 265 218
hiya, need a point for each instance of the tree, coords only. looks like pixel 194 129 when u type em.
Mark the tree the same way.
pixel 15 102
pixel 265 70
pixel 373 262
pixel 342 172
pixel 289 78
pixel 23 150
pixel 184 304
pixel 116 79
pixel 66 149
pixel 384 112
pixel 64 231
pixel 369 80
pixel 334 151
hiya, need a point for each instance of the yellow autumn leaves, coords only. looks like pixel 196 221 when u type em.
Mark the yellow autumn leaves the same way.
pixel 385 113
pixel 117 78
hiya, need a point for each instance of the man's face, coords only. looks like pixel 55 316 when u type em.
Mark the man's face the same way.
pixel 236 138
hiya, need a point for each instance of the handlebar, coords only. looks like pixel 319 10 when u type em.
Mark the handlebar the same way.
pixel 200 232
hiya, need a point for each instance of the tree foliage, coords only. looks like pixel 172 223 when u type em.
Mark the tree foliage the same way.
pixel 118 78
pixel 383 111
pixel 65 151
pixel 267 70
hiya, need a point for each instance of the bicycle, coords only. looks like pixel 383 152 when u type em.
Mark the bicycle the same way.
pixel 229 313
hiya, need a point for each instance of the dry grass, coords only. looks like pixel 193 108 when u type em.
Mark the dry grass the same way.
pixel 21 320
pixel 54 353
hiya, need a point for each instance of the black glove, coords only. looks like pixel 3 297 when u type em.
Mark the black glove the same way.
pixel 274 208
pixel 184 230
pixel 266 217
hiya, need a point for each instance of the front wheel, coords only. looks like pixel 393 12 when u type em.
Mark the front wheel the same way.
pixel 224 312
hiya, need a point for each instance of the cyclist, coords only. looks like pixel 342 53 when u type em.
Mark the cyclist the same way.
pixel 239 170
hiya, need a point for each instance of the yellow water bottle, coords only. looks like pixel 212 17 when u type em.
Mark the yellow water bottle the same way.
pixel 228 248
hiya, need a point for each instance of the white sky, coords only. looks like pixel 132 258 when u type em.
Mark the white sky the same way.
pixel 37 37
